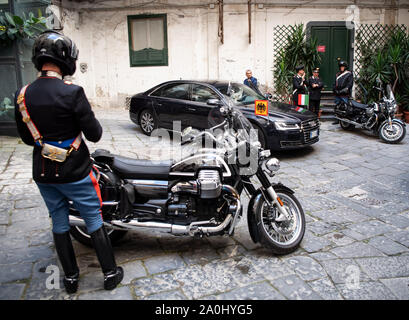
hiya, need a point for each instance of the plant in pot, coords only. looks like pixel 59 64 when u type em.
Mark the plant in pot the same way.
pixel 299 49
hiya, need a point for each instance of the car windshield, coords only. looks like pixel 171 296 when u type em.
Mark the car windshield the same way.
pixel 241 94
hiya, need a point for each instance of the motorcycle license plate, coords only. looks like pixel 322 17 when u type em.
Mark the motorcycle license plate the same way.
pixel 314 134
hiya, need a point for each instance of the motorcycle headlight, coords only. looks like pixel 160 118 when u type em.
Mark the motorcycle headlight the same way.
pixel 394 107
pixel 286 125
pixel 272 165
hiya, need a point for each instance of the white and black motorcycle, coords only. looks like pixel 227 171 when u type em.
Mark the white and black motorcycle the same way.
pixel 201 194
pixel 377 117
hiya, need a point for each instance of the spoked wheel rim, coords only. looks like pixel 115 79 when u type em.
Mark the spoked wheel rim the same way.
pixel 287 232
pixel 147 122
pixel 392 132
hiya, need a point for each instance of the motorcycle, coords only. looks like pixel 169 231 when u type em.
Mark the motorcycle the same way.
pixel 377 117
pixel 199 195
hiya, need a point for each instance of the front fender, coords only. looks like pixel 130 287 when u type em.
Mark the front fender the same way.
pixel 399 121
pixel 251 210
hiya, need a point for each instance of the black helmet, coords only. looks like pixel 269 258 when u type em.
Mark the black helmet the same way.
pixel 343 63
pixel 52 46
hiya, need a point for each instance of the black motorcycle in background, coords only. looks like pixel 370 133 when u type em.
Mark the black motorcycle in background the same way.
pixel 199 195
pixel 377 117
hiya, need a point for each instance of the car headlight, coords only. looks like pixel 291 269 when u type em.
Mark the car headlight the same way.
pixel 286 125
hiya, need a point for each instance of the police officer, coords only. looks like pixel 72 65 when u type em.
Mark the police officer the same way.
pixel 343 84
pixel 299 84
pixel 52 113
pixel 315 86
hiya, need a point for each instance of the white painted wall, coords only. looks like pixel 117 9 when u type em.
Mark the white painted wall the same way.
pixel 195 51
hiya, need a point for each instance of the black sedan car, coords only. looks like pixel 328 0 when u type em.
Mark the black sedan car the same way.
pixel 285 127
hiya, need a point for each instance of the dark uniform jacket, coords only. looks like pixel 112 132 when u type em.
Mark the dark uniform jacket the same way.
pixel 343 84
pixel 60 111
pixel 298 87
pixel 315 93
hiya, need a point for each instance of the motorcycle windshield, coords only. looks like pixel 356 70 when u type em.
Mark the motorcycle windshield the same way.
pixel 389 92
pixel 240 129
pixel 241 94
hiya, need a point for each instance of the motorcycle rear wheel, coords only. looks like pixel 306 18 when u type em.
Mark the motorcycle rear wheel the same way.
pixel 392 134
pixel 279 236
pixel 81 235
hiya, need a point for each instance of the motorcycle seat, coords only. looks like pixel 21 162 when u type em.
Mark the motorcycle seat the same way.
pixel 358 105
pixel 128 168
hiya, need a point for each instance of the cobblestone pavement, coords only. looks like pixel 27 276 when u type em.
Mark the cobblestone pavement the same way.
pixel 354 190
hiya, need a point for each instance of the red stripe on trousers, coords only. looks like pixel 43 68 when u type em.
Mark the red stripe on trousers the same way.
pixel 97 189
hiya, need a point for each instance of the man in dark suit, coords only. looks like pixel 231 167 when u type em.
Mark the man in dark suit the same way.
pixel 315 86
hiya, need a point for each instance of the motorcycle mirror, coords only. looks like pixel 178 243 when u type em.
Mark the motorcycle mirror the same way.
pixel 186 132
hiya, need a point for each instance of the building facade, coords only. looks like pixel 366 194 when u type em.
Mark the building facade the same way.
pixel 128 46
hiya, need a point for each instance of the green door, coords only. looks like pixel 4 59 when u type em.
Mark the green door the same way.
pixel 334 43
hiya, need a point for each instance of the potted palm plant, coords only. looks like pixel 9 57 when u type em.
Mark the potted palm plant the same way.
pixel 299 50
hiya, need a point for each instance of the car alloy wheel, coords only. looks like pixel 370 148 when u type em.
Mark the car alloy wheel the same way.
pixel 147 122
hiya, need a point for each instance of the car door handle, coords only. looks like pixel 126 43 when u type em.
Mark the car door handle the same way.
pixel 191 109
pixel 159 104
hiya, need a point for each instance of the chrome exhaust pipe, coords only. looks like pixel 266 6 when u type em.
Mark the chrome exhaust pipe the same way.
pixel 191 229
pixel 79 222
pixel 359 125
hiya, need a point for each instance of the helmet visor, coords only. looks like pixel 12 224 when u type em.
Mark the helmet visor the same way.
pixel 74 51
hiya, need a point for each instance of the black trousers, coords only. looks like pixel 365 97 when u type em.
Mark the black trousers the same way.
pixel 314 106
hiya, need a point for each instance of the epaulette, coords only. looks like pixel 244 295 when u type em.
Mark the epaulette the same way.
pixel 67 82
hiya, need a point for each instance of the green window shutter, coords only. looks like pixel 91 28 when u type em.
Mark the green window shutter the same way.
pixel 148 56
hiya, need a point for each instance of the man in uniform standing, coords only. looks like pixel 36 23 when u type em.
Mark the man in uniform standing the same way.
pixel 342 87
pixel 315 86
pixel 51 115
pixel 299 84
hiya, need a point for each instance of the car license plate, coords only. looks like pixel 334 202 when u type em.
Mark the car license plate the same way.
pixel 314 134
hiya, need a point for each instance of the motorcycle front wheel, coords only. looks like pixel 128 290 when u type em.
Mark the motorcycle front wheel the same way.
pixel 81 235
pixel 281 237
pixel 393 133
pixel 346 126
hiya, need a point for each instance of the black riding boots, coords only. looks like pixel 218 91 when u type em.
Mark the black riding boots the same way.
pixel 113 275
pixel 65 251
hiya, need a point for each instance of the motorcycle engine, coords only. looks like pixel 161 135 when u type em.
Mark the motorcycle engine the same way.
pixel 197 197
pixel 210 184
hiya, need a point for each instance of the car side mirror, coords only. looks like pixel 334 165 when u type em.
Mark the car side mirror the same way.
pixel 214 102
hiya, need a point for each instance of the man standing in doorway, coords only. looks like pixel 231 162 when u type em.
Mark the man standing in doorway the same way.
pixel 342 88
pixel 315 86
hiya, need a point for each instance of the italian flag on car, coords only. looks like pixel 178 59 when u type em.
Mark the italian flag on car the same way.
pixel 303 100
